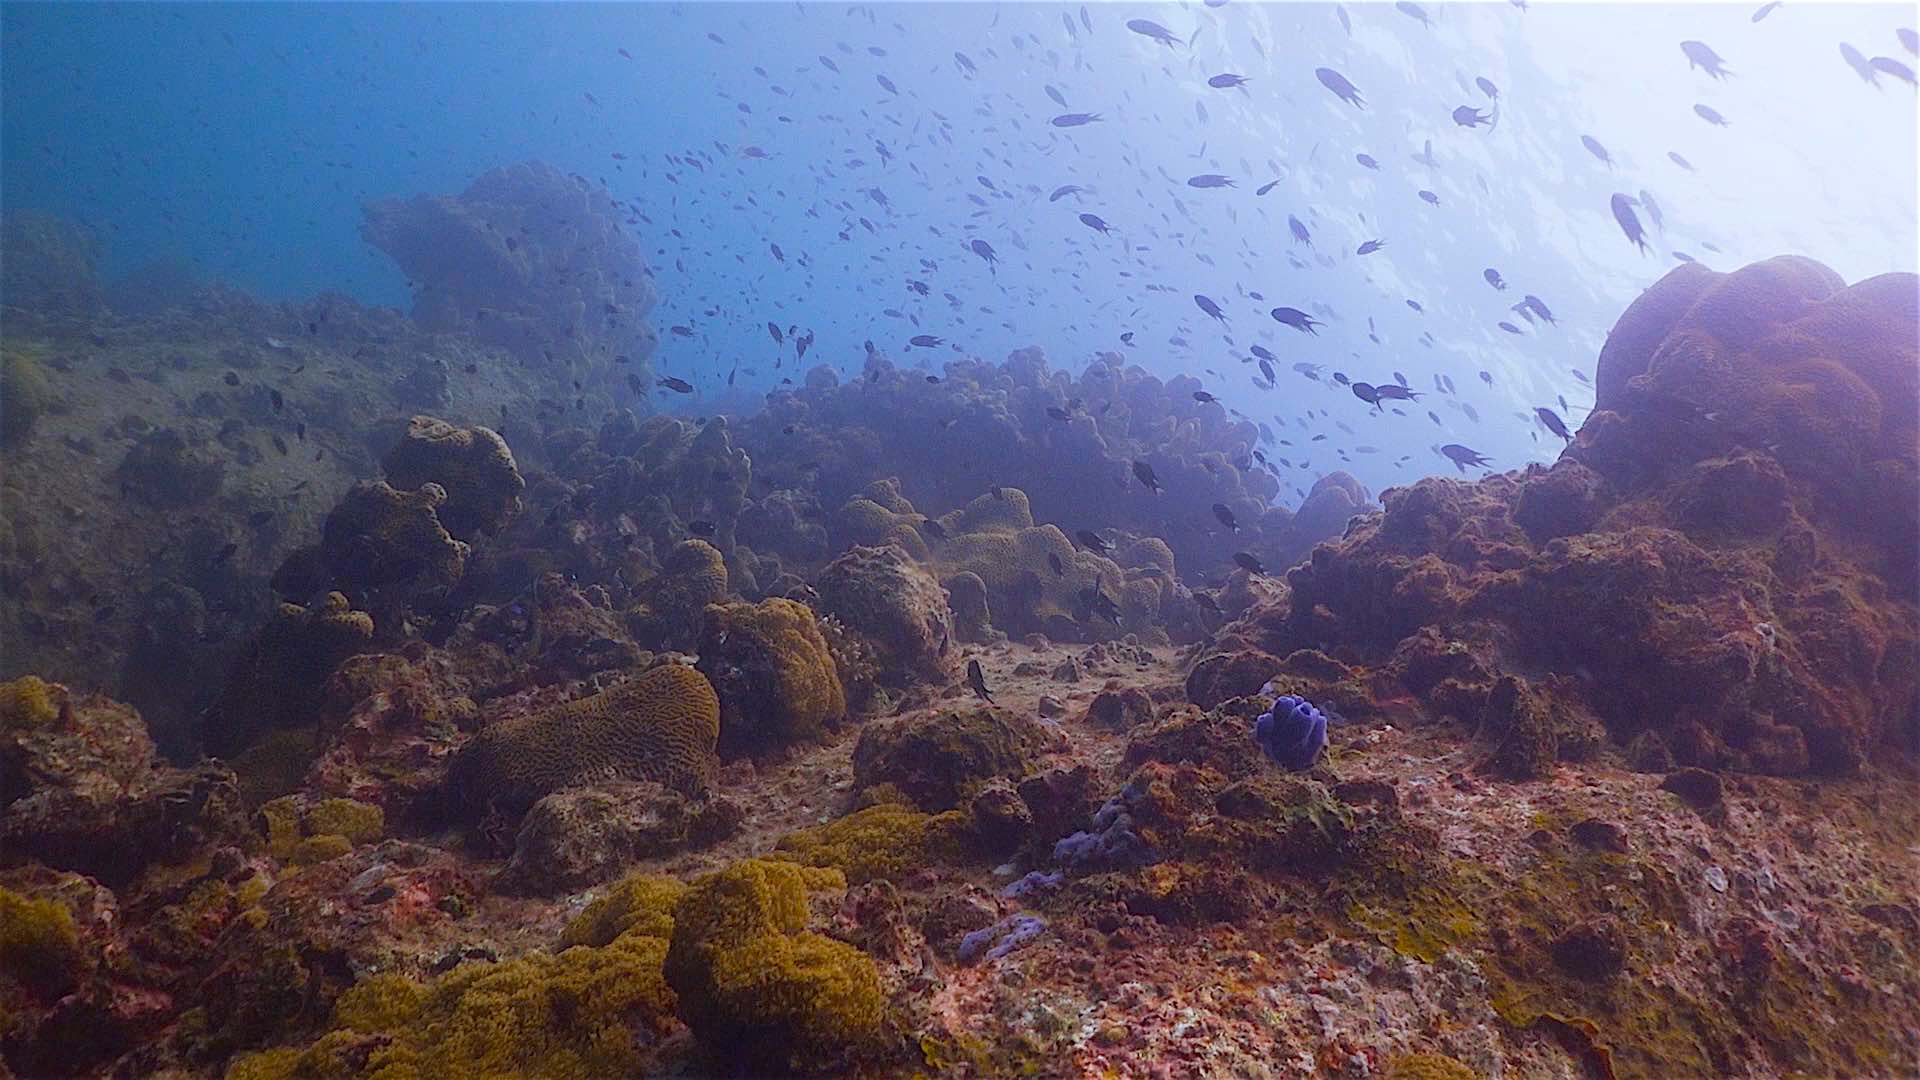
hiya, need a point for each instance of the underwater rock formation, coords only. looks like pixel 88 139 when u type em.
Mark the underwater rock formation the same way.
pixel 532 260
pixel 49 266
pixel 1719 559
pixel 898 606
pixel 1068 443
pixel 275 683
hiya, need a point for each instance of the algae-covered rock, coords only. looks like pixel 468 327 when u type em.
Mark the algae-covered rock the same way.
pixel 939 759
pixel 898 606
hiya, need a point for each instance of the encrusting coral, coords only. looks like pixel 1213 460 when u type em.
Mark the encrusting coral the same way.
pixel 661 726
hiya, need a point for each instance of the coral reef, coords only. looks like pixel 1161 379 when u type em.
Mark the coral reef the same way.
pixel 275 683
pixel 777 681
pixel 937 760
pixel 661 726
pixel 584 836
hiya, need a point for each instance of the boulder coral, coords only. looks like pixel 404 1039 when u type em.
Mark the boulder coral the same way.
pixel 472 465
pixel 937 760
pixel 660 726
pixel 898 606
pixel 276 681
pixel 774 673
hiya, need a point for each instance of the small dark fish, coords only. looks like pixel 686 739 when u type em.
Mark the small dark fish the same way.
pixel 1765 10
pixel 1299 230
pixel 1075 119
pixel 1248 563
pixel 1227 81
pixel 1909 39
pixel 1429 197
pixel 1297 319
pixel 1510 328
pixel 1149 28
pixel 773 330
pixel 675 384
pixel 1204 398
pixel 1341 88
pixel 1209 180
pixel 1143 472
pixel 933 528
pixel 1207 305
pixel 977 679
pixel 1539 307
pixel 1699 55
pixel 926 341
pixel 1063 191
pixel 1370 247
pixel 1593 147
pixel 1680 161
pixel 985 251
pixel 1367 161
pixel 1893 67
pixel 1553 422
pixel 1092 542
pixel 1710 115
pixel 1462 456
pixel 1398 391
pixel 1059 98
pixel 1415 12
pixel 701 528
pixel 1366 392
pixel 1494 279
pixel 1266 187
pixel 1486 87
pixel 1093 221
pixel 886 84
pixel 1225 515
pixel 1629 223
pixel 1099 603
pixel 1468 117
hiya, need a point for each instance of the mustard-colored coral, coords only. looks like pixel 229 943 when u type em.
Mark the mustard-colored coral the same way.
pixel 26 702
pixel 1428 1067
pixel 662 726
pixel 640 903
pixel 754 984
pixel 279 823
pixel 361 823
pixel 582 1014
pixel 774 674
pixel 883 841
pixel 319 849
pixel 39 945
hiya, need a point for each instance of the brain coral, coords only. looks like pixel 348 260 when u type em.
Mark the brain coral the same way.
pixel 774 674
pixel 898 606
pixel 754 985
pixel 672 602
pixel 472 465
pixel 661 726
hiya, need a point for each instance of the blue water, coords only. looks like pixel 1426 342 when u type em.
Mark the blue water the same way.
pixel 243 139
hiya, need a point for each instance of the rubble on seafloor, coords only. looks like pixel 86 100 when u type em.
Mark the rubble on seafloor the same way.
pixel 656 745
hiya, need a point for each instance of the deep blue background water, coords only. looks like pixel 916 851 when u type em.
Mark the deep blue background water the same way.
pixel 244 138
